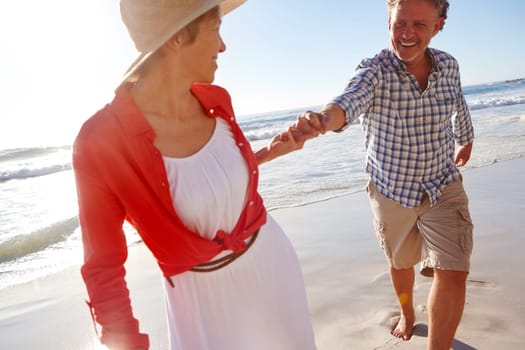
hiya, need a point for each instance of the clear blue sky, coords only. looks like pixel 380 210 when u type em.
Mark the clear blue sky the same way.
pixel 61 59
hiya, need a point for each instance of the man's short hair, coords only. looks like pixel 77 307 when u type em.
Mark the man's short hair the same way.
pixel 441 6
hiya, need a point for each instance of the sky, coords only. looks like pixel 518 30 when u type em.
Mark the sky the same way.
pixel 61 60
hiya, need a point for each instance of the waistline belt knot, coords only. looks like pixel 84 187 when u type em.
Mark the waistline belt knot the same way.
pixel 229 243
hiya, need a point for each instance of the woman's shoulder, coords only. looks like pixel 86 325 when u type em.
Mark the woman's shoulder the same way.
pixel 100 126
pixel 120 118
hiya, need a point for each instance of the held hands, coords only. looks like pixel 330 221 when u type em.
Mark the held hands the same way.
pixel 286 142
pixel 307 126
pixel 311 124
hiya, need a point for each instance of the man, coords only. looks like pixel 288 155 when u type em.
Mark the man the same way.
pixel 413 112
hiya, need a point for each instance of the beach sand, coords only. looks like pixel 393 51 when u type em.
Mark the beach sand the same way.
pixel 350 297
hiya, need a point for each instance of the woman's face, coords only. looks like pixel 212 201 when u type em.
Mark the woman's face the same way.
pixel 199 58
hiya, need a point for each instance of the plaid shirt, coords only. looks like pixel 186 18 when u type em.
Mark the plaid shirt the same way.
pixel 409 135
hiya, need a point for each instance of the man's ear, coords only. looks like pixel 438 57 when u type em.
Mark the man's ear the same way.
pixel 439 25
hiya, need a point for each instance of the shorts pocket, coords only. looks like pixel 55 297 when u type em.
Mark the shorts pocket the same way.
pixel 465 229
pixel 381 238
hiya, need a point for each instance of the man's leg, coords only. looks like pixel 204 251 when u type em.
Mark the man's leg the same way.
pixel 447 235
pixel 401 241
pixel 403 283
pixel 445 307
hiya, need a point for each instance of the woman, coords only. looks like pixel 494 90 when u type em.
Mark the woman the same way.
pixel 167 155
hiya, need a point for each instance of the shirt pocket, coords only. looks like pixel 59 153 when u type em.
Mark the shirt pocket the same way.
pixel 443 103
pixel 446 92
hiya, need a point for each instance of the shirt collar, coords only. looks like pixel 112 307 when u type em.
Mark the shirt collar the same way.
pixel 133 121
pixel 400 66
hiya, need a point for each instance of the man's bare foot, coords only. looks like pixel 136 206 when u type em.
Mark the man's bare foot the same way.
pixel 403 327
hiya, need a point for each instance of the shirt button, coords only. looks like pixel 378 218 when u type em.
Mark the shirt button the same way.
pixel 163 184
pixel 232 119
pixel 255 172
pixel 251 203
pixel 212 111
pixel 241 144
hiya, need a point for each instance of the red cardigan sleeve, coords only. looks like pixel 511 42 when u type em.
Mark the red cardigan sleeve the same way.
pixel 105 251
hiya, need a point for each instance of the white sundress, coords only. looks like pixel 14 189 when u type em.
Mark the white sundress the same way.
pixel 258 302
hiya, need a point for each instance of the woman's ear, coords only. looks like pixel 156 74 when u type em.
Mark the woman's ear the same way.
pixel 178 39
pixel 174 43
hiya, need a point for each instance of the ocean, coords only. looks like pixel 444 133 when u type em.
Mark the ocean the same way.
pixel 39 232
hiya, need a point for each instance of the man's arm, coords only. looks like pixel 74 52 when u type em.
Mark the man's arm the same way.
pixel 464 132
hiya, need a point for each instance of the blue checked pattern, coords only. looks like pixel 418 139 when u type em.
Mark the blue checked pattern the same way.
pixel 410 135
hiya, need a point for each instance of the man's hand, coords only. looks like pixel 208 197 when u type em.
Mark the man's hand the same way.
pixel 463 154
pixel 313 124
pixel 310 124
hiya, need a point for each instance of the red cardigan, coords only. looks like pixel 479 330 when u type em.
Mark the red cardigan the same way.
pixel 120 175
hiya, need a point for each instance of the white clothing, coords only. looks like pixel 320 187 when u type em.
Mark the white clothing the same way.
pixel 258 302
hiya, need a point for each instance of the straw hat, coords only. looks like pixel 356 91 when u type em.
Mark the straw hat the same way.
pixel 151 23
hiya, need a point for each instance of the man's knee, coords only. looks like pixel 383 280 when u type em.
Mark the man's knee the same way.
pixel 450 277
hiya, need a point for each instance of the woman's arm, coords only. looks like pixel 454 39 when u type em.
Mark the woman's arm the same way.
pixel 101 216
pixel 283 143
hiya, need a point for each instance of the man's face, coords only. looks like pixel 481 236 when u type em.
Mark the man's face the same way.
pixel 412 24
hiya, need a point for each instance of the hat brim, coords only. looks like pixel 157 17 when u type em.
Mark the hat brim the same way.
pixel 226 6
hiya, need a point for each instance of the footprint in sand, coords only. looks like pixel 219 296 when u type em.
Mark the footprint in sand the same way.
pixel 391 344
pixel 480 283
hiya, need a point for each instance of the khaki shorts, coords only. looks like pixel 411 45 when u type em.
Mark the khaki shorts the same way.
pixel 438 237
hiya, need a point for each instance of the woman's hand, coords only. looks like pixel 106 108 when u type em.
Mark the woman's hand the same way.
pixel 286 142
pixel 283 143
